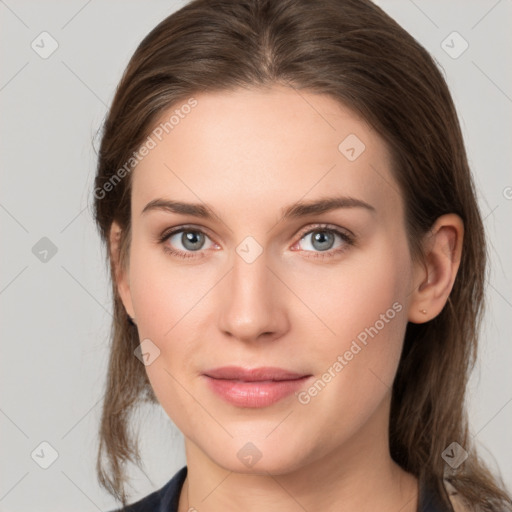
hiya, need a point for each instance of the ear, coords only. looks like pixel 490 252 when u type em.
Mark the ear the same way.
pixel 434 280
pixel 121 273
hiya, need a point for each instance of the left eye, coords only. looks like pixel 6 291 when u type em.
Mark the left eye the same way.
pixel 323 239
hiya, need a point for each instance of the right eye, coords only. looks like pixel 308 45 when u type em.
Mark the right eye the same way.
pixel 191 240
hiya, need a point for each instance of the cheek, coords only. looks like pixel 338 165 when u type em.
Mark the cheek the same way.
pixel 362 308
pixel 164 304
pixel 354 344
pixel 163 292
pixel 351 296
pixel 169 302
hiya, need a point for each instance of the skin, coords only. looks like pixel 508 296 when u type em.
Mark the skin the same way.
pixel 248 154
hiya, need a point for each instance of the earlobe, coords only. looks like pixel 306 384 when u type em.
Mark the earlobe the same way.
pixel 121 274
pixel 435 278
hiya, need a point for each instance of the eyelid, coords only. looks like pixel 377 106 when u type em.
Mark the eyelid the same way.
pixel 327 227
pixel 184 227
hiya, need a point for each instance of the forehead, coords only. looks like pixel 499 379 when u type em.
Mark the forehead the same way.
pixel 264 147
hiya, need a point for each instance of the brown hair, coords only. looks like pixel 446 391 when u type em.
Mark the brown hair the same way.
pixel 355 53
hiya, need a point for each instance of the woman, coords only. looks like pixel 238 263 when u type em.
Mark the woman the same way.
pixel 297 260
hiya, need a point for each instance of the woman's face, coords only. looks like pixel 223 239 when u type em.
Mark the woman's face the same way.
pixel 262 289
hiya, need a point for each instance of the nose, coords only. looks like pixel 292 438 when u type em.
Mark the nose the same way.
pixel 252 302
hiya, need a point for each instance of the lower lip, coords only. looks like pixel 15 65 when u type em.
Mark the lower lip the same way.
pixel 254 394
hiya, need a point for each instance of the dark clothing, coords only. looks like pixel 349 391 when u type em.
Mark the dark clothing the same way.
pixel 431 499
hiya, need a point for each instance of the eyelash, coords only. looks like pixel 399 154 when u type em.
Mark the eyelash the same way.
pixel 348 239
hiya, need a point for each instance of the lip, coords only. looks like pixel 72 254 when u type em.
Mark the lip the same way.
pixel 256 387
pixel 252 374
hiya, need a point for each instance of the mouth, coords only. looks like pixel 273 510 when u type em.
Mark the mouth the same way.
pixel 253 388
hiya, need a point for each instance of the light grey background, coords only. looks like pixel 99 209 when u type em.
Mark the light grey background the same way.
pixel 55 315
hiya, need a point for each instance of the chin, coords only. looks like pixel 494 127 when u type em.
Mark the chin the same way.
pixel 258 456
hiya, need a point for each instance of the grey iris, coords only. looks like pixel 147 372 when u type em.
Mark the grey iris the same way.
pixel 320 236
pixel 192 240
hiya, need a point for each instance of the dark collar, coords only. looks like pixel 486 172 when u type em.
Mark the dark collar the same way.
pixel 432 496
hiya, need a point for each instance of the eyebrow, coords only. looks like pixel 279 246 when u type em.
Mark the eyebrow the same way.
pixel 294 211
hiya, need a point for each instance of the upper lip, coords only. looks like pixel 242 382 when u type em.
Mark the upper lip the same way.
pixel 252 374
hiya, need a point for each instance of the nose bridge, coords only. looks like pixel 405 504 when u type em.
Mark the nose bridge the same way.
pixel 249 308
pixel 249 278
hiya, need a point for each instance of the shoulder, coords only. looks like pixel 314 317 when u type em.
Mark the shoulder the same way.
pixel 456 499
pixel 459 504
